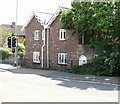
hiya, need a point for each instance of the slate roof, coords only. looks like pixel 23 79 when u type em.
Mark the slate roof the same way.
pixel 58 11
pixel 42 18
pixel 18 29
pixel 45 19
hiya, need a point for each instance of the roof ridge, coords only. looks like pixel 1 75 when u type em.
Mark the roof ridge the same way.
pixel 43 12
pixel 60 8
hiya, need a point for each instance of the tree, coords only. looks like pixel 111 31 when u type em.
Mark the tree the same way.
pixel 4 33
pixel 98 19
pixel 101 20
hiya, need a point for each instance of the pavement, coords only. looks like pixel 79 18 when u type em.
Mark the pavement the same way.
pixel 56 74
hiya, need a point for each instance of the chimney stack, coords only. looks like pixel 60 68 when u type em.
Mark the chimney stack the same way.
pixel 13 24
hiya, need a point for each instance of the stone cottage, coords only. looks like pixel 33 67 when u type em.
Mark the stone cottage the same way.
pixel 48 45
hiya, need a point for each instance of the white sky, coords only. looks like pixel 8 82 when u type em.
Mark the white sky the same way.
pixel 25 7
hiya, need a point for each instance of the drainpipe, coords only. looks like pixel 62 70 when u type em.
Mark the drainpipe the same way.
pixel 42 49
pixel 48 46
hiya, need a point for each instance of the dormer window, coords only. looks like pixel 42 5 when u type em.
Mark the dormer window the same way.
pixel 62 34
pixel 36 34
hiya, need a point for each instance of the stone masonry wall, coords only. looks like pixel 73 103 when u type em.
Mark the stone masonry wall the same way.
pixel 31 44
pixel 70 46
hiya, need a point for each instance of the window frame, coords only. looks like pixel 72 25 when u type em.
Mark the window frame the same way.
pixel 36 34
pixel 62 34
pixel 62 58
pixel 36 54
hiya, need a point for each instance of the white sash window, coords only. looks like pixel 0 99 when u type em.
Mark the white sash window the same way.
pixel 36 57
pixel 62 34
pixel 62 58
pixel 36 34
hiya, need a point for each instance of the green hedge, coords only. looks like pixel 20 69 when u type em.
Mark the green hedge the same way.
pixel 106 64
pixel 85 69
pixel 4 53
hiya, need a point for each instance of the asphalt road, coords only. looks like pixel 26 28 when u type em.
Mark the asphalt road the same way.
pixel 18 87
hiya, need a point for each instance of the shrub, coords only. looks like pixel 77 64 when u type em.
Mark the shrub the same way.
pixel 85 69
pixel 21 50
pixel 107 64
pixel 4 53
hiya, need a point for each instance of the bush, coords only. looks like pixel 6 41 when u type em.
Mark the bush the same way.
pixel 4 53
pixel 107 64
pixel 21 50
pixel 85 69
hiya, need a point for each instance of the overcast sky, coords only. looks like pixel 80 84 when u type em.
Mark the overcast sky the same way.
pixel 25 7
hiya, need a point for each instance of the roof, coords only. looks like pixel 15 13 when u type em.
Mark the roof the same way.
pixel 14 29
pixel 58 11
pixel 42 18
pixel 19 32
pixel 45 19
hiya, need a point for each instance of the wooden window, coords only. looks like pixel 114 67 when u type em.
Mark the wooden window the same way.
pixel 36 57
pixel 62 58
pixel 36 34
pixel 62 34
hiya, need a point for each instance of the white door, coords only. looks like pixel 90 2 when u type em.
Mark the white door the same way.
pixel 82 60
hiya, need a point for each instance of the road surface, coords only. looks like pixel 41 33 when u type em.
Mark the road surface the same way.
pixel 17 87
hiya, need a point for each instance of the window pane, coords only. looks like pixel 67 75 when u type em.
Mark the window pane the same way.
pixel 62 58
pixel 43 35
pixel 65 58
pixel 61 34
pixel 59 58
pixel 36 35
pixel 36 56
pixel 64 35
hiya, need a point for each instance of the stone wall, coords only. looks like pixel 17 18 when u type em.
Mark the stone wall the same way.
pixel 31 44
pixel 11 60
pixel 71 46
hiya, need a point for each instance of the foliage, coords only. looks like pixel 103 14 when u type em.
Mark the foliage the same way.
pixel 5 32
pixel 98 19
pixel 108 63
pixel 85 69
pixel 4 53
pixel 24 42
pixel 21 49
pixel 101 21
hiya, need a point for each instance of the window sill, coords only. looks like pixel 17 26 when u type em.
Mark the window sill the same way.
pixel 62 39
pixel 65 64
pixel 36 62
